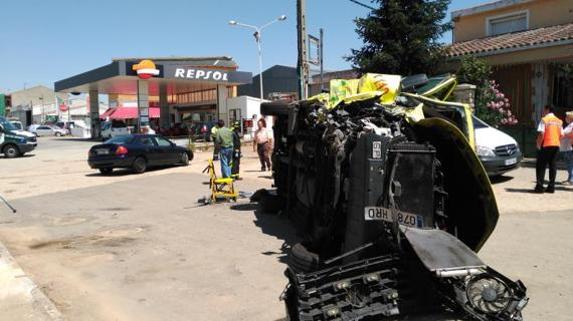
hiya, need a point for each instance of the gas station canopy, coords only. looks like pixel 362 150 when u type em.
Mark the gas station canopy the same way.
pixel 176 74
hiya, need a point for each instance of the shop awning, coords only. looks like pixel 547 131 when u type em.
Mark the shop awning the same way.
pixel 122 113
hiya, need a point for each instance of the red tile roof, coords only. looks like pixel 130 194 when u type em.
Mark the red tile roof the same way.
pixel 518 40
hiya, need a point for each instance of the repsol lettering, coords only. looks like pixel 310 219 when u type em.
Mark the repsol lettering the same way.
pixel 201 74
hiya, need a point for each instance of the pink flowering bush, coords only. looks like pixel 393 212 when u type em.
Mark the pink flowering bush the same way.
pixel 494 107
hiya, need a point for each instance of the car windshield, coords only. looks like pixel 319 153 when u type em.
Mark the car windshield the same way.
pixel 478 123
pixel 17 125
pixel 119 139
pixel 6 124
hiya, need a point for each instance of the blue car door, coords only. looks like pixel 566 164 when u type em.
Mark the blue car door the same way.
pixel 149 150
pixel 166 152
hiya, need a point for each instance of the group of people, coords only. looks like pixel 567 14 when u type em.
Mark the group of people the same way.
pixel 228 146
pixel 553 138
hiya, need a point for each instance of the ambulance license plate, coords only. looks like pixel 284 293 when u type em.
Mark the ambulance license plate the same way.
pixel 373 213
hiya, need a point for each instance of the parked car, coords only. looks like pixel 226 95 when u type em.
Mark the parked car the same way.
pixel 110 129
pixel 32 128
pixel 498 152
pixel 137 152
pixel 47 130
pixel 14 142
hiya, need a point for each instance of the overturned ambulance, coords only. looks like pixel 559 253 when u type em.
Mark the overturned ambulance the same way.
pixel 381 179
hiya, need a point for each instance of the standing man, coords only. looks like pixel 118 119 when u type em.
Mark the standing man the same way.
pixel 236 150
pixel 550 131
pixel 224 139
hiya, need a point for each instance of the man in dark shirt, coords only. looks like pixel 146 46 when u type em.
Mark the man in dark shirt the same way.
pixel 236 150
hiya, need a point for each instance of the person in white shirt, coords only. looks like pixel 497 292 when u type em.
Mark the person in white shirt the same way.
pixel 263 143
pixel 566 147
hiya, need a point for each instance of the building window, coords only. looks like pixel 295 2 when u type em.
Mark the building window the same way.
pixel 517 21
pixel 562 86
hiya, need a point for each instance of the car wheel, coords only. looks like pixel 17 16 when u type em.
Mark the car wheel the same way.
pixel 105 171
pixel 58 134
pixel 139 165
pixel 11 151
pixel 184 159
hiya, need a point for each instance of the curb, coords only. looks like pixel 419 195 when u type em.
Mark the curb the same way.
pixel 20 297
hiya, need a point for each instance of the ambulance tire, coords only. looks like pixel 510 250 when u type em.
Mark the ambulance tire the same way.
pixel 271 203
pixel 300 259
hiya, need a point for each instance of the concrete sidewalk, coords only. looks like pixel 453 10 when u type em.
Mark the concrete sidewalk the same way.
pixel 20 297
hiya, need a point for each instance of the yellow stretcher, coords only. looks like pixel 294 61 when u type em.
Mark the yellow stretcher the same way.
pixel 221 188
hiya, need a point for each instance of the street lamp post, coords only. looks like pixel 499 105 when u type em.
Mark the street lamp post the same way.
pixel 42 110
pixel 257 36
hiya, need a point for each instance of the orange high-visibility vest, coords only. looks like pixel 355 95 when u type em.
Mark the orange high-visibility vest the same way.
pixel 552 133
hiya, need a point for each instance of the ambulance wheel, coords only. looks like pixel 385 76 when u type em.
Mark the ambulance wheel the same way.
pixel 11 151
pixel 300 259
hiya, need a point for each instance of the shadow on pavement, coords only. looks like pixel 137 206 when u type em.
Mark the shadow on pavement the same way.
pixel 520 190
pixel 274 225
pixel 248 207
pixel 16 158
pixel 124 172
pixel 500 179
pixel 531 191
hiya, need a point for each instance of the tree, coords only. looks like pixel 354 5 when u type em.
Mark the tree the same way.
pixel 401 37
pixel 474 71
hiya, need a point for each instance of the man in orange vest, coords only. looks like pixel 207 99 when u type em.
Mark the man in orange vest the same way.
pixel 550 131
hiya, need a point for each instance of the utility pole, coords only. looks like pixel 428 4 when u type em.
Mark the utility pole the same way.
pixel 321 60
pixel 302 66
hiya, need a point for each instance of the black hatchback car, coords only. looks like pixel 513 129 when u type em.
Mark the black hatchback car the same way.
pixel 137 152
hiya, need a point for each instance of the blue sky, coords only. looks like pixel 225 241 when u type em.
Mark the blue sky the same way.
pixel 44 41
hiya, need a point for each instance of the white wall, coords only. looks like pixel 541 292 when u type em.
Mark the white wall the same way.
pixel 249 106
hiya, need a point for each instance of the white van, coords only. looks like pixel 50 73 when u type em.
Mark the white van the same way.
pixel 497 151
pixel 111 129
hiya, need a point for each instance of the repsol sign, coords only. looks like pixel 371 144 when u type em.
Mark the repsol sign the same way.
pixel 206 74
pixel 201 74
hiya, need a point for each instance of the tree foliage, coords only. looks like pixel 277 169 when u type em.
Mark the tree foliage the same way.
pixel 401 37
pixel 474 71
pixel 491 104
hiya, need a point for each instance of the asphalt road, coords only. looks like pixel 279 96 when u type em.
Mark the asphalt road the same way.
pixel 137 247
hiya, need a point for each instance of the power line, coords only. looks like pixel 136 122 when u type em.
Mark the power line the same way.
pixel 362 4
